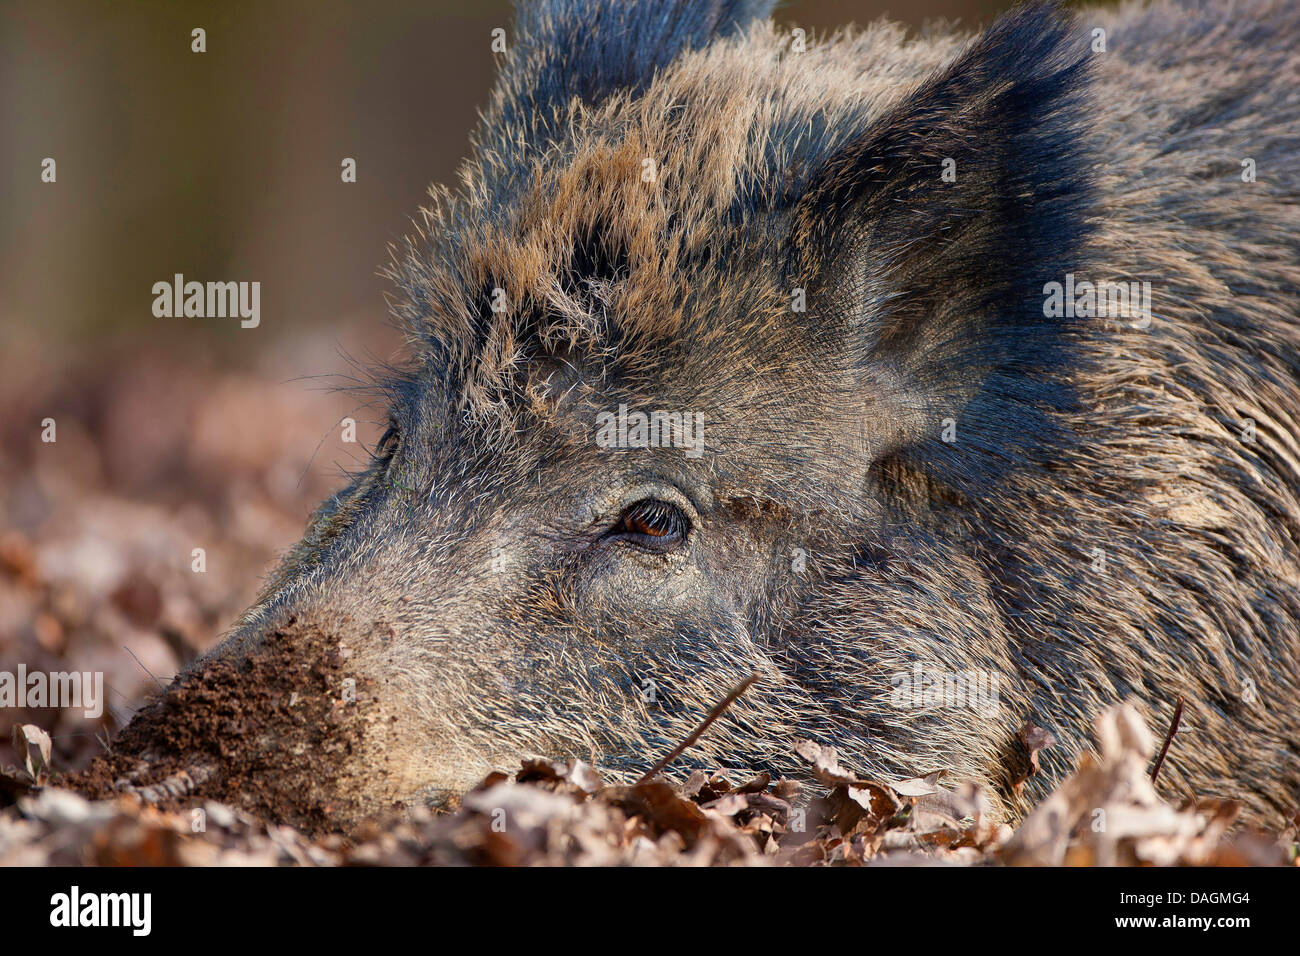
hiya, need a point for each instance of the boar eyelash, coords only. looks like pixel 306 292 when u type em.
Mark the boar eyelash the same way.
pixel 652 524
pixel 388 442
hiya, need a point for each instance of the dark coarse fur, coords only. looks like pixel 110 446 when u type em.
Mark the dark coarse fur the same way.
pixel 1100 528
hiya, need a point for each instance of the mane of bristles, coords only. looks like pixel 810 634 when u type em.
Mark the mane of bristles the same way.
pixel 592 259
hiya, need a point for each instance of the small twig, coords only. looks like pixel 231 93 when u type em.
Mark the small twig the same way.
pixel 1169 738
pixel 714 714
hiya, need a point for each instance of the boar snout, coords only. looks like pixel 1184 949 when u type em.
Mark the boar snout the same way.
pixel 289 724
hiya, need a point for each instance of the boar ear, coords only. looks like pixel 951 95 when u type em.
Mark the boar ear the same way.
pixel 590 49
pixel 940 278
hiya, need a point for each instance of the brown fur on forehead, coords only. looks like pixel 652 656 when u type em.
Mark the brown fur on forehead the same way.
pixel 597 249
pixel 731 130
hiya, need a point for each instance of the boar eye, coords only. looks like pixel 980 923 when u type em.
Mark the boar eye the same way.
pixel 388 442
pixel 652 524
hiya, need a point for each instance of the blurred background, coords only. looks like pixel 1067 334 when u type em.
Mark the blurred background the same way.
pixel 178 434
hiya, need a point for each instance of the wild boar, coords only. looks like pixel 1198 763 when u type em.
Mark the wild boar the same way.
pixel 947 384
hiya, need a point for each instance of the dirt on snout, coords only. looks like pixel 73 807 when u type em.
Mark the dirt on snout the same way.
pixel 275 733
